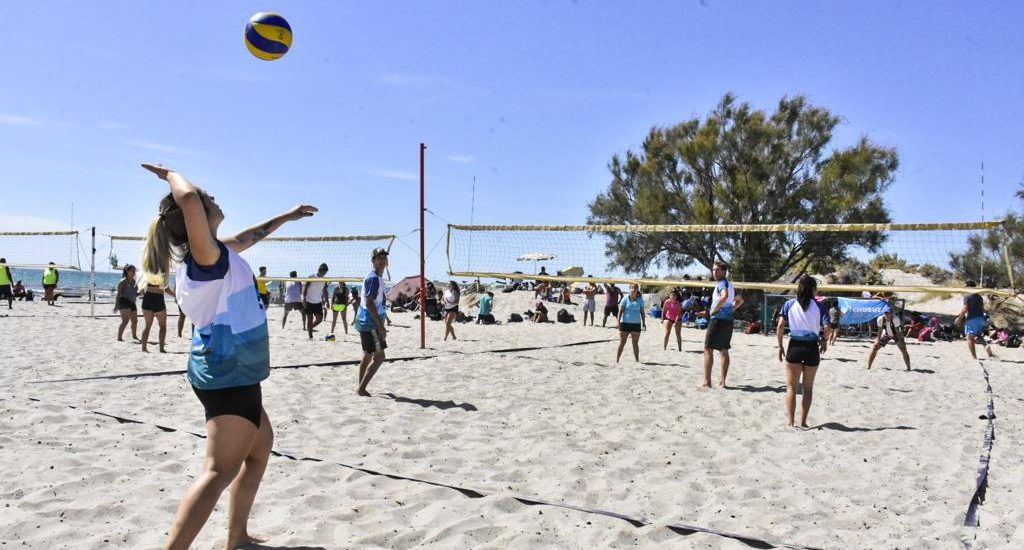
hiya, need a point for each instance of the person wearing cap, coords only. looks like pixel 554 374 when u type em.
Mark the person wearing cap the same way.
pixel 50 279
pixel 370 321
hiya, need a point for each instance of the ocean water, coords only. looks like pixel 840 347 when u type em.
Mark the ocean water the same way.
pixel 69 279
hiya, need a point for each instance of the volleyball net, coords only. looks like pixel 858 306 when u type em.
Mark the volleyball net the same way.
pixel 876 258
pixel 36 249
pixel 347 256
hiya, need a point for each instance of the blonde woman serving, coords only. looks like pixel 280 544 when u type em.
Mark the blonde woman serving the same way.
pixel 230 354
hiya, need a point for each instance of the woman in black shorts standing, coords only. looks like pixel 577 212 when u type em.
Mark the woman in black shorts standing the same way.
pixel 631 321
pixel 806 320
pixel 153 305
pixel 451 308
pixel 127 294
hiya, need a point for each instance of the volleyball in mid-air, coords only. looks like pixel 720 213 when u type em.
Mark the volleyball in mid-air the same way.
pixel 268 36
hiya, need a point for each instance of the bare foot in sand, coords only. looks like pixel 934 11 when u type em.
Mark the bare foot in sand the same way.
pixel 805 426
pixel 243 542
pixel 706 385
pixel 363 393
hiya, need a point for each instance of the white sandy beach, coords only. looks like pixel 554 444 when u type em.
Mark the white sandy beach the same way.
pixel 891 462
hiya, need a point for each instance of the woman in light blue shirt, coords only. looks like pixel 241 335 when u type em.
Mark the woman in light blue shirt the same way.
pixel 631 320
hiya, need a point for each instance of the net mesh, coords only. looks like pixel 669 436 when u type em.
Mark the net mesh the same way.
pixel 347 257
pixel 36 249
pixel 848 257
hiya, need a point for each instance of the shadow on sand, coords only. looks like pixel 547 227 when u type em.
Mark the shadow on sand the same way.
pixel 843 428
pixel 426 403
pixel 258 546
pixel 759 389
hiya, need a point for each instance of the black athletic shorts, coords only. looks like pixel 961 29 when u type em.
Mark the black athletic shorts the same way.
pixel 5 292
pixel 372 342
pixel 266 299
pixel 629 327
pixel 49 287
pixel 612 310
pixel 454 309
pixel 125 303
pixel 310 307
pixel 153 301
pixel 719 334
pixel 833 326
pixel 288 306
pixel 803 352
pixel 244 401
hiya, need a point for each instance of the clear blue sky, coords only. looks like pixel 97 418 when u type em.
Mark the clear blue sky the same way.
pixel 531 98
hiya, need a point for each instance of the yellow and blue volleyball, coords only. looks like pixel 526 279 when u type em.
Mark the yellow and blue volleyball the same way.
pixel 268 36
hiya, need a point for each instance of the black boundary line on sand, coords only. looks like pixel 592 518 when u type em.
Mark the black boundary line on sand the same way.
pixel 310 365
pixel 174 372
pixel 981 483
pixel 678 528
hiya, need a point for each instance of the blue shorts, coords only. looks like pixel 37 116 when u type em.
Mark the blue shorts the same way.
pixel 975 326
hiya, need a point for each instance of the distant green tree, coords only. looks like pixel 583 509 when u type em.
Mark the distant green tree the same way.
pixel 987 250
pixel 740 165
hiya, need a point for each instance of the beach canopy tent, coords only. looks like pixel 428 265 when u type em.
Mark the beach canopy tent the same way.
pixel 407 286
pixel 571 271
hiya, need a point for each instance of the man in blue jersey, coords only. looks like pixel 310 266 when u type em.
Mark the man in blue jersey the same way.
pixel 719 333
pixel 370 321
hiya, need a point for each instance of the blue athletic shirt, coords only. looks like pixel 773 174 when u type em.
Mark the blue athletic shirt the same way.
pixel 631 309
pixel 485 304
pixel 230 344
pixel 372 286
pixel 804 324
pixel 726 311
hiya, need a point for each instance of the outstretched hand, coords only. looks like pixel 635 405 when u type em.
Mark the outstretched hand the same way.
pixel 299 212
pixel 157 169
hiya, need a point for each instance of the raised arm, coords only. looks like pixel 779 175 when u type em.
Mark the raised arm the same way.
pixel 258 232
pixel 201 243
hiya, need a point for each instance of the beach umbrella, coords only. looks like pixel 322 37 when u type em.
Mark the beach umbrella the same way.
pixel 535 257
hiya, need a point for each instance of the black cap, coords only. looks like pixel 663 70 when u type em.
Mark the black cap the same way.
pixel 377 252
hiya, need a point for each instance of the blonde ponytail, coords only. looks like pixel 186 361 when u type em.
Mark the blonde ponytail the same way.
pixel 166 241
pixel 156 256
